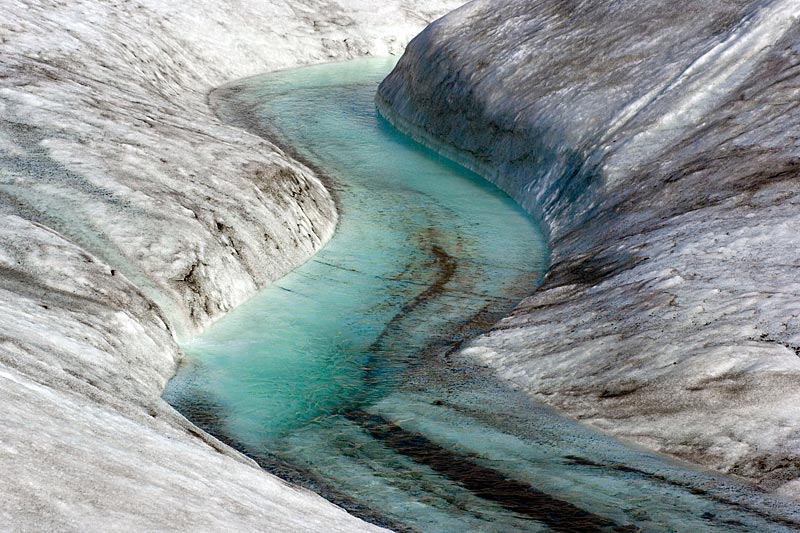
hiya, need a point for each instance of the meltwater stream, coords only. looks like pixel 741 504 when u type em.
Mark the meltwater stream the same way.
pixel 344 377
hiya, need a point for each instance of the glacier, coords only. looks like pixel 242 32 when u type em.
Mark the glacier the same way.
pixel 131 216
pixel 658 144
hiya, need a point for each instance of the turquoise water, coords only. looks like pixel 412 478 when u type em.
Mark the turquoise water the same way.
pixel 343 375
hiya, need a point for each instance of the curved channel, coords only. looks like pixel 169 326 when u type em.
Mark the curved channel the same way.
pixel 344 375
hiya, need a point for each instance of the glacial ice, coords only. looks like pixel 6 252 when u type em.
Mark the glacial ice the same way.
pixel 130 215
pixel 658 144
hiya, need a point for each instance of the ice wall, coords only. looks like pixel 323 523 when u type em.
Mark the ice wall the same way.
pixel 658 143
pixel 130 214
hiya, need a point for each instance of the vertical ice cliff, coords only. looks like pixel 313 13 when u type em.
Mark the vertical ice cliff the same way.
pixel 658 142
pixel 128 214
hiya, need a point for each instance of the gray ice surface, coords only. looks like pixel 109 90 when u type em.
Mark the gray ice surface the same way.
pixel 658 143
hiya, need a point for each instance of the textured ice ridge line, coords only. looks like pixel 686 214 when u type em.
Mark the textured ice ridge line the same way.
pixel 703 85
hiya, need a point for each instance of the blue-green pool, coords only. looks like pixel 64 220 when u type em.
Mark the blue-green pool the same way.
pixel 343 376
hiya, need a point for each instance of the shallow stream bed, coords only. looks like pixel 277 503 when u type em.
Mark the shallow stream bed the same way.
pixel 344 376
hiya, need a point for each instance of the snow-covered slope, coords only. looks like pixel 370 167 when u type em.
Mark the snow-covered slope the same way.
pixel 658 142
pixel 130 214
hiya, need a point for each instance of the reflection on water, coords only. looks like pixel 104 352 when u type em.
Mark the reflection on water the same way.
pixel 342 375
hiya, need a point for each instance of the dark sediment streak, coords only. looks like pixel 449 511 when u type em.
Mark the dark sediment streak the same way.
pixel 209 417
pixel 697 491
pixel 484 482
pixel 445 266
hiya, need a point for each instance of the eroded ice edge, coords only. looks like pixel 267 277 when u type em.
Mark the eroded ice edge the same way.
pixel 658 146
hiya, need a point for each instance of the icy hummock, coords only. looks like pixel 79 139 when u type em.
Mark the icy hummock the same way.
pixel 658 143
pixel 130 216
